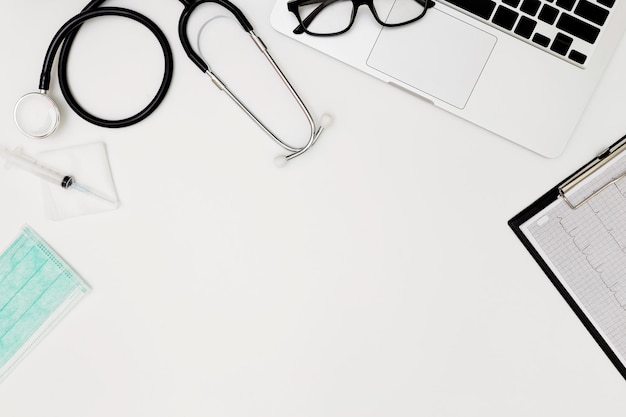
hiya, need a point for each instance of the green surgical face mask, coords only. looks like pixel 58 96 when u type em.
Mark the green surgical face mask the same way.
pixel 36 289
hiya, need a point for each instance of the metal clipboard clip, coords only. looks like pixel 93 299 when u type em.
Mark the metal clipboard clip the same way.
pixel 592 167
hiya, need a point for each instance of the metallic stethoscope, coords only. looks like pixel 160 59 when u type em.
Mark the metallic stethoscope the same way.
pixel 41 102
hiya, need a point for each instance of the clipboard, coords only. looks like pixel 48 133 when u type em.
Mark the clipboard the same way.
pixel 576 232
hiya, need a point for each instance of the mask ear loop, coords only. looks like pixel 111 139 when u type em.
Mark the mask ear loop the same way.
pixel 201 62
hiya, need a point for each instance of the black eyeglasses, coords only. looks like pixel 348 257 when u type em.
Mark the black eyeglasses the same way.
pixel 334 17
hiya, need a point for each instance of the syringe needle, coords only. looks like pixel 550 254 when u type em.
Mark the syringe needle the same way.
pixel 91 191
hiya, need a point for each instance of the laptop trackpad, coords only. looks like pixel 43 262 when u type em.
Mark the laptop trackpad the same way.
pixel 439 55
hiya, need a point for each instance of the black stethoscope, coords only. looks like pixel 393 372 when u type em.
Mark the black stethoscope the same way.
pixel 40 103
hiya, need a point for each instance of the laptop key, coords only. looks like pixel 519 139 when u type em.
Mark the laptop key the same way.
pixel 505 17
pixel 576 56
pixel 591 12
pixel 525 27
pixel 561 44
pixel 607 3
pixel 530 7
pixel 566 4
pixel 480 8
pixel 512 3
pixel 578 28
pixel 548 14
pixel 542 40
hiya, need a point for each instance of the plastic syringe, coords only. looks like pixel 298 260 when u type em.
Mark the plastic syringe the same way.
pixel 17 158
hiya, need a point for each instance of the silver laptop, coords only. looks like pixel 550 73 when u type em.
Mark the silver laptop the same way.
pixel 523 69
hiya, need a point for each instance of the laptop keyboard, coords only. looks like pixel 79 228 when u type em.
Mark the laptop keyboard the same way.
pixel 568 29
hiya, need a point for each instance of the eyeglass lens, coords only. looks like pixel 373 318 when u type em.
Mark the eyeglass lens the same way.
pixel 329 17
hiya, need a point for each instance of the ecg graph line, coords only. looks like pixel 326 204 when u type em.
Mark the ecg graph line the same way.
pixel 613 279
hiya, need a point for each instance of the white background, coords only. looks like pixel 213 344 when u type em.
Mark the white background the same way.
pixel 374 276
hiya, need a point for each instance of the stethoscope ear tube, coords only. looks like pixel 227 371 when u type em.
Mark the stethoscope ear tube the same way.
pixel 200 62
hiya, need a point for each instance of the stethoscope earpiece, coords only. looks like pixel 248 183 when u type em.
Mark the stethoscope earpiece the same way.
pixel 281 160
pixel 326 120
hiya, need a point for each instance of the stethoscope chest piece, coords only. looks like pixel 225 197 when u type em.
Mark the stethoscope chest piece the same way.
pixel 36 115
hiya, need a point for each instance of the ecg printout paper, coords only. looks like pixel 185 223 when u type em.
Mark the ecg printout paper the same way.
pixel 586 250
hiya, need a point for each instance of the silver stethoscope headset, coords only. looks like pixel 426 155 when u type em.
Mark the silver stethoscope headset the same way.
pixel 40 103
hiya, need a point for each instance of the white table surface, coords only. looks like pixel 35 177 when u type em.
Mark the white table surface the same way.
pixel 374 276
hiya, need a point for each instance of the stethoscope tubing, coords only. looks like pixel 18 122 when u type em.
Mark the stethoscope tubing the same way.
pixel 184 21
pixel 65 36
